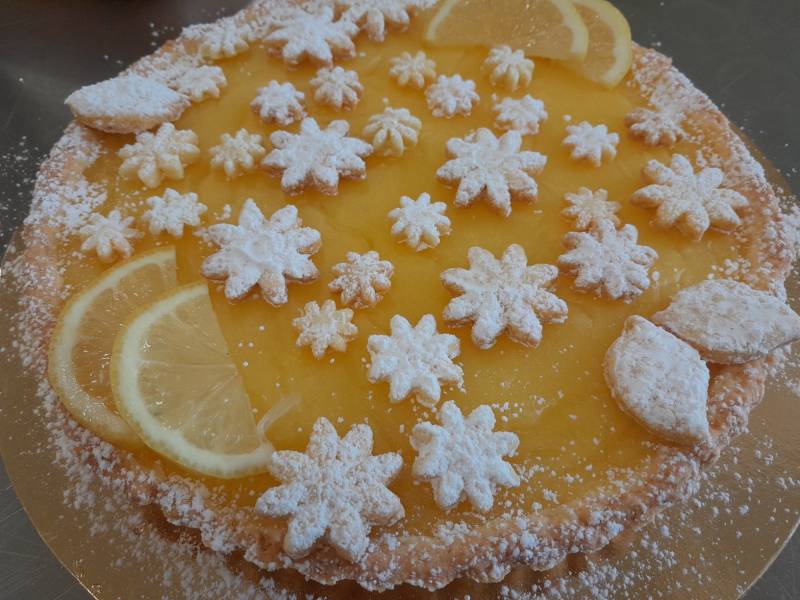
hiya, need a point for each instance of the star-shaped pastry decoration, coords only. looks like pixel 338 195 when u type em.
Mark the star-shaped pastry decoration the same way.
pixel 655 127
pixel 415 360
pixel 591 143
pixel 509 68
pixel 323 327
pixel 267 253
pixel 375 16
pixel 224 39
pixel 503 295
pixel 451 96
pixel 491 168
pixel 200 83
pixel 362 280
pixel 392 130
pixel 335 491
pixel 463 458
pixel 108 236
pixel 155 156
pixel 337 88
pixel 419 222
pixel 313 36
pixel 316 157
pixel 587 207
pixel 237 154
pixel 172 211
pixel 524 115
pixel 608 261
pixel 415 70
pixel 691 202
pixel 279 103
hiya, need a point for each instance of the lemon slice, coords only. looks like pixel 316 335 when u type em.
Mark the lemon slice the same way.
pixel 548 28
pixel 610 46
pixel 176 385
pixel 80 349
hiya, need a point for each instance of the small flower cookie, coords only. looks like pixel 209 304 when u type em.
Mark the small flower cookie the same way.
pixel 224 39
pixel 334 491
pixel 524 115
pixel 362 280
pixel 237 154
pixel 315 37
pixel 375 16
pixel 415 360
pixel 172 211
pixel 608 261
pixel 508 68
pixel 503 295
pixel 463 457
pixel 323 327
pixel 200 83
pixel 337 88
pixel 157 155
pixel 655 127
pixel 587 208
pixel 266 252
pixel 451 96
pixel 591 143
pixel 109 236
pixel 279 103
pixel 420 223
pixel 415 70
pixel 691 202
pixel 391 131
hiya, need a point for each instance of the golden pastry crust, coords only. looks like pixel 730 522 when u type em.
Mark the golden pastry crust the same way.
pixel 486 553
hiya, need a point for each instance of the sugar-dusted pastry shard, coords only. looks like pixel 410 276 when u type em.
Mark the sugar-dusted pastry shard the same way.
pixel 414 70
pixel 592 143
pixel 126 104
pixel 491 168
pixel 503 295
pixel 155 156
pixel 316 157
pixel 655 127
pixel 608 261
pixel 588 207
pixel 691 202
pixel 323 327
pixel 660 381
pixel 392 131
pixel 730 322
pixel 337 88
pixel 279 103
pixel 415 360
pixel 173 211
pixel 463 457
pixel 200 83
pixel 334 492
pixel 451 96
pixel 525 114
pixel 268 253
pixel 508 68
pixel 109 236
pixel 376 16
pixel 362 280
pixel 237 154
pixel 420 223
pixel 312 36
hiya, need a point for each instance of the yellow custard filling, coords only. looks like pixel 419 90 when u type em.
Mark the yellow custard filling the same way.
pixel 553 397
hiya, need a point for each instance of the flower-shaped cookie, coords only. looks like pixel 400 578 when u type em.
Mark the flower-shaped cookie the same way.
pixel 200 83
pixel 316 157
pixel 392 130
pixel 373 16
pixel 497 170
pixel 337 88
pixel 655 127
pixel 323 327
pixel 509 68
pixel 415 360
pixel 524 115
pixel 608 261
pixel 158 155
pixel 108 236
pixel 503 295
pixel 591 143
pixel 464 457
pixel 451 96
pixel 587 207
pixel 224 39
pixel 362 280
pixel 413 70
pixel 267 253
pixel 335 491
pixel 691 202
pixel 172 211
pixel 316 37
pixel 279 103
pixel 237 154
pixel 419 222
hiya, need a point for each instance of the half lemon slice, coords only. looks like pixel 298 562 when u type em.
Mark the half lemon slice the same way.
pixel 177 386
pixel 80 349
pixel 547 28
pixel 610 46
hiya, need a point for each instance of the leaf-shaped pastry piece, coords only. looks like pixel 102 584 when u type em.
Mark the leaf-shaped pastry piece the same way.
pixel 659 380
pixel 729 322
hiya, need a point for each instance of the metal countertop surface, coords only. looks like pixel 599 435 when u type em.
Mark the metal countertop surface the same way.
pixel 744 53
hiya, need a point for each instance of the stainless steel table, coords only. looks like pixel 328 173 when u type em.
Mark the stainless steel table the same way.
pixel 744 53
